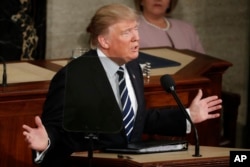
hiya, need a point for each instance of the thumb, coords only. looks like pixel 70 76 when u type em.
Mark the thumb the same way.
pixel 38 122
pixel 199 95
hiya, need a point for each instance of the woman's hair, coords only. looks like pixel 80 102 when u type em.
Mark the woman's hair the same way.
pixel 139 7
pixel 105 17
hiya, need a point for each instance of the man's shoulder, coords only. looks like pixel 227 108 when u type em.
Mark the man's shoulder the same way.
pixel 87 59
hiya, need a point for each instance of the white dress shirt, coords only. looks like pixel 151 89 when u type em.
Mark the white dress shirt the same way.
pixel 111 68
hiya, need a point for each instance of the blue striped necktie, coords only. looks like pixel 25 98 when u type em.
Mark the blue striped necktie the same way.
pixel 128 112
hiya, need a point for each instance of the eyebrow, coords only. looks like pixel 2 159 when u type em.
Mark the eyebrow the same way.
pixel 136 26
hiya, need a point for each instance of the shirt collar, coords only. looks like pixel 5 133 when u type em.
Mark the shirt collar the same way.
pixel 110 66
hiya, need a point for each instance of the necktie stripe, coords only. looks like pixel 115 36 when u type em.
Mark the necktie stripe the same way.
pixel 128 112
pixel 129 122
pixel 126 105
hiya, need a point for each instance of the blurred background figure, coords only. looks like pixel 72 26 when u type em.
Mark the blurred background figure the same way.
pixel 158 29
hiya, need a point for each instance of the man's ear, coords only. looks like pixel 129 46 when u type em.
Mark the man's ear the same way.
pixel 103 41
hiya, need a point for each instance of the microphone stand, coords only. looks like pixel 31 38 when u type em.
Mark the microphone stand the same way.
pixel 91 137
pixel 197 145
pixel 4 81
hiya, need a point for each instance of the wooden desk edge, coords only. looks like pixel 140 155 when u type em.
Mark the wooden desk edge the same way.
pixel 218 156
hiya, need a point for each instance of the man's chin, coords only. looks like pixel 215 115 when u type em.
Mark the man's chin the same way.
pixel 134 56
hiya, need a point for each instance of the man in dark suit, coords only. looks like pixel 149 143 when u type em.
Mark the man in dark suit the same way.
pixel 92 82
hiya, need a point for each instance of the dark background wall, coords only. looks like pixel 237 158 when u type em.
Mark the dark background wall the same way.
pixel 22 29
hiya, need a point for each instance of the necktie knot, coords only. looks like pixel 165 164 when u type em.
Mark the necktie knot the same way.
pixel 120 72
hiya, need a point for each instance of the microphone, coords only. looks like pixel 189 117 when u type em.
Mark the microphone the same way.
pixel 4 81
pixel 169 85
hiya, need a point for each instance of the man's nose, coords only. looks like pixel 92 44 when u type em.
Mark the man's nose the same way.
pixel 135 35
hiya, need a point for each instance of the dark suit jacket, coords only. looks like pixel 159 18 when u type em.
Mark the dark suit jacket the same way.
pixel 89 93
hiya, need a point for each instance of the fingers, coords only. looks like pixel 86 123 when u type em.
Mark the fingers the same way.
pixel 27 137
pixel 25 133
pixel 210 99
pixel 214 108
pixel 38 122
pixel 28 130
pixel 214 105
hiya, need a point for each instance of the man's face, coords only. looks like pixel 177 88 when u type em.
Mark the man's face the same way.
pixel 122 40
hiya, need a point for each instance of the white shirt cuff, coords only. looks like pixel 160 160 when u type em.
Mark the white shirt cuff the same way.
pixel 40 155
pixel 188 130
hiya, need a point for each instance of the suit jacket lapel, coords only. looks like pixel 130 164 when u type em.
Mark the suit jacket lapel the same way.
pixel 102 83
pixel 135 77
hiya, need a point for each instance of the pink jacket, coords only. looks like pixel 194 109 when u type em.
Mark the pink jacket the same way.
pixel 180 35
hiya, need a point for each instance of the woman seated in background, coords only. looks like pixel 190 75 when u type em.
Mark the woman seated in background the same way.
pixel 157 29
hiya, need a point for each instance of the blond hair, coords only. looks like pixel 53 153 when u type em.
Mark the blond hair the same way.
pixel 105 17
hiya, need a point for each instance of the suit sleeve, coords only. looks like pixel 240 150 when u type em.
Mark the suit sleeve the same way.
pixel 169 122
pixel 62 143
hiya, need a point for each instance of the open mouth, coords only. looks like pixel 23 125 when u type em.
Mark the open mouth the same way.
pixel 135 48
